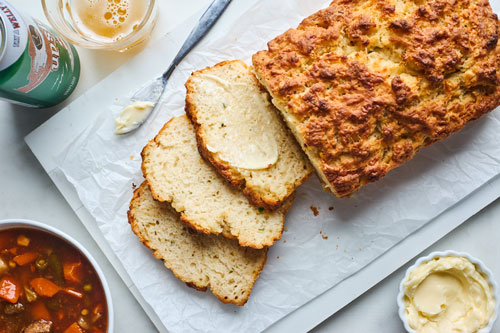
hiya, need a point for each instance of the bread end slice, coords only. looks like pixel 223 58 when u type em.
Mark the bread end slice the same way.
pixel 201 261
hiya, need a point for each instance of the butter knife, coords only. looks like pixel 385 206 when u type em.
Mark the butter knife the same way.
pixel 152 91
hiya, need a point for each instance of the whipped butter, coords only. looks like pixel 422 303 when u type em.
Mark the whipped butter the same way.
pixel 244 138
pixel 448 294
pixel 132 115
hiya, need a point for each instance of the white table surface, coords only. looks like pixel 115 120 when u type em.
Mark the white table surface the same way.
pixel 27 192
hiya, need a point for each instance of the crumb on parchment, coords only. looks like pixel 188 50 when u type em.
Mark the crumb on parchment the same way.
pixel 315 210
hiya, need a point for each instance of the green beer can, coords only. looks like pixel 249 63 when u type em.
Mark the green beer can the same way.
pixel 38 67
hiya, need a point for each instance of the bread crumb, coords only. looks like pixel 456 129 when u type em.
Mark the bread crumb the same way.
pixel 315 210
pixel 277 257
pixel 324 237
pixel 134 186
pixel 330 208
pixel 285 229
pixel 284 240
pixel 131 157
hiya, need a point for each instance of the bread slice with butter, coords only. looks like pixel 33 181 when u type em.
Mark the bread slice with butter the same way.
pixel 201 261
pixel 242 135
pixel 176 173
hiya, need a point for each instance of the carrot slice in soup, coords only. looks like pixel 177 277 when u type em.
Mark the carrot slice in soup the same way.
pixel 73 328
pixel 39 311
pixel 9 289
pixel 25 258
pixel 73 271
pixel 44 287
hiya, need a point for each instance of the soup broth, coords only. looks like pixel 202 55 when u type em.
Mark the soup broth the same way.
pixel 45 283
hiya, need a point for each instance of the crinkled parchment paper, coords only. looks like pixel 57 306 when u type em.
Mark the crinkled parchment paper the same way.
pixel 315 252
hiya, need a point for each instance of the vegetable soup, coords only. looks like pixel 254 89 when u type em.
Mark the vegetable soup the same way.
pixel 47 285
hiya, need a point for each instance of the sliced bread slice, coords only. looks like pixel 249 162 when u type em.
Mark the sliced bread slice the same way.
pixel 242 135
pixel 201 261
pixel 176 173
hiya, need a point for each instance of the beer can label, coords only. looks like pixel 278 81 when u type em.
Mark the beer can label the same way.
pixel 44 54
pixel 16 36
pixel 40 67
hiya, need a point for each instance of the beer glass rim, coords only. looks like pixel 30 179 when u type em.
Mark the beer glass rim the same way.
pixel 54 11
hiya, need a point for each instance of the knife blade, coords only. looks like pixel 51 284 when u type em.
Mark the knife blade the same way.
pixel 152 91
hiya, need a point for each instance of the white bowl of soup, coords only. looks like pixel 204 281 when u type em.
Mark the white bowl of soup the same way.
pixel 49 282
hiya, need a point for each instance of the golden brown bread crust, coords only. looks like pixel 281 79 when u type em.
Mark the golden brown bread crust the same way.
pixel 224 168
pixel 364 85
pixel 156 254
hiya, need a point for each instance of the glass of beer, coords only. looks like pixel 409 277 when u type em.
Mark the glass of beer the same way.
pixel 115 25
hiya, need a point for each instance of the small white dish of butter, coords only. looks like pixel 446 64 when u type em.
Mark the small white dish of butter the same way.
pixel 448 292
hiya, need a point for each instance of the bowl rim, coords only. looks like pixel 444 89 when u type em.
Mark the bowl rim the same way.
pixel 36 225
pixel 448 253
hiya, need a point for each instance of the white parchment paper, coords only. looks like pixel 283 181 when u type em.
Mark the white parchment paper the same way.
pixel 315 252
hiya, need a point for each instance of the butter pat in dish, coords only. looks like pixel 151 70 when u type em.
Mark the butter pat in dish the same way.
pixel 448 292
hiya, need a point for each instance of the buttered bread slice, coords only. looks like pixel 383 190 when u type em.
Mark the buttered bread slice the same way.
pixel 202 261
pixel 176 173
pixel 242 135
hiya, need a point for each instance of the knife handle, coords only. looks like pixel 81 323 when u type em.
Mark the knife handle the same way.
pixel 206 22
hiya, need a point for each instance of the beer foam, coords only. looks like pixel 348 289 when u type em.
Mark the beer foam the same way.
pixel 107 20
